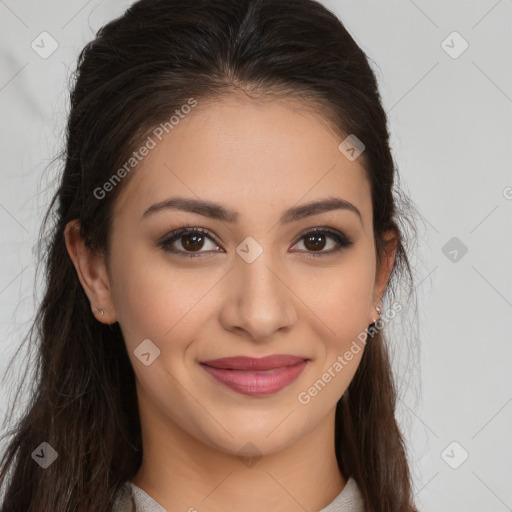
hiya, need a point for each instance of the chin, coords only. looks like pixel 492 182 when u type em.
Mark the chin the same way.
pixel 252 441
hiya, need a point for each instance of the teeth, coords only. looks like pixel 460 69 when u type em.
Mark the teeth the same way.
pixel 273 370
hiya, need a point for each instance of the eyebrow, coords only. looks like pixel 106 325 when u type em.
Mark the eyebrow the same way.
pixel 219 212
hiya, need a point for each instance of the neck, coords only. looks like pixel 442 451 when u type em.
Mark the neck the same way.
pixel 182 473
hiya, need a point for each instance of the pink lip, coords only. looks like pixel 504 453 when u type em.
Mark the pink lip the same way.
pixel 252 376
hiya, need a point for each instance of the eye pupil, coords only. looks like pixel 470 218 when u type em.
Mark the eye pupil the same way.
pixel 194 245
pixel 317 239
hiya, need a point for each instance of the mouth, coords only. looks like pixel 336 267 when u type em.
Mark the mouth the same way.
pixel 256 376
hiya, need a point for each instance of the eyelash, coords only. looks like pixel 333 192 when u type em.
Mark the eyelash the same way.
pixel 342 240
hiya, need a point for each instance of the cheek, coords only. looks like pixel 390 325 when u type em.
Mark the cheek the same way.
pixel 152 299
pixel 169 304
pixel 339 325
pixel 340 295
pixel 340 299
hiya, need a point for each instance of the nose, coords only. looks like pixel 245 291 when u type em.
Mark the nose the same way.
pixel 258 302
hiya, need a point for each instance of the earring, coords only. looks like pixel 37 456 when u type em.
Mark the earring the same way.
pixel 379 310
pixel 100 311
pixel 371 327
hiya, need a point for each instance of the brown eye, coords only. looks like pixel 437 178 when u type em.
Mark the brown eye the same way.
pixel 316 240
pixel 192 240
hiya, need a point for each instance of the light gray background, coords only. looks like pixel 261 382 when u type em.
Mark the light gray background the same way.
pixel 451 126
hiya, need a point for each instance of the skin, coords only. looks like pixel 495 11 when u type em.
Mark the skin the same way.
pixel 258 158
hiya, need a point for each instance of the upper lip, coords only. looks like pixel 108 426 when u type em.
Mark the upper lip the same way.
pixel 255 364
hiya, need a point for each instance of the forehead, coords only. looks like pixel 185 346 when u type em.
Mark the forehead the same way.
pixel 246 154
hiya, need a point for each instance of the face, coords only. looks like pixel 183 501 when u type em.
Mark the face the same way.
pixel 255 281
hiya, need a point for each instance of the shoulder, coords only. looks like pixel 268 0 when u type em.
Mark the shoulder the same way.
pixel 123 501
pixel 350 499
pixel 131 498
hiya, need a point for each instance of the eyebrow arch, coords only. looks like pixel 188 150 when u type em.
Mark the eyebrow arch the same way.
pixel 216 211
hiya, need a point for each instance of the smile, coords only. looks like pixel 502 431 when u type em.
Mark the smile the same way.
pixel 251 376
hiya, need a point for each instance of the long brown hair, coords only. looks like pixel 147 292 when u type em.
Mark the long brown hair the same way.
pixel 137 71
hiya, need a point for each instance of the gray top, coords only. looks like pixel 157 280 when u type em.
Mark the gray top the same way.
pixel 133 499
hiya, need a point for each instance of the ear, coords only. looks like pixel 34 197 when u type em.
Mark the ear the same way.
pixel 384 270
pixel 92 272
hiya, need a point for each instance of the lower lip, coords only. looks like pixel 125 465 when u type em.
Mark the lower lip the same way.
pixel 257 383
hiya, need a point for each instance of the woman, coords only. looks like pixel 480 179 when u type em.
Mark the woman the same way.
pixel 226 236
